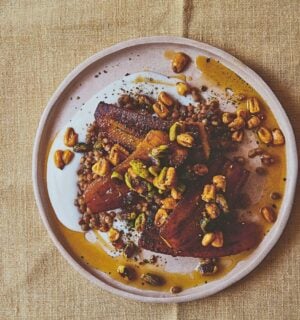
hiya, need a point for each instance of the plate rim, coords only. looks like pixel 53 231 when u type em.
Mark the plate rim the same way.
pixel 252 264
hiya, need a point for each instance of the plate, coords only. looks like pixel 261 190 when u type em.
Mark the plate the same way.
pixel 75 94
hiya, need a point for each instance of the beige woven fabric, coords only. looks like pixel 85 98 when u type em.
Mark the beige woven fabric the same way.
pixel 41 42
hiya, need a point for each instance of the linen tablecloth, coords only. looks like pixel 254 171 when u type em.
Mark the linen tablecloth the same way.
pixel 41 42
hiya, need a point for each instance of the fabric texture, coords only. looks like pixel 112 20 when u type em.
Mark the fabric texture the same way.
pixel 41 42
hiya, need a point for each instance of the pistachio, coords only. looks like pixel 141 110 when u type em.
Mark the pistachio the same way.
pixel 130 250
pixel 179 62
pixel 174 130
pixel 175 194
pixel 185 140
pixel 166 99
pixel 264 135
pixel 237 136
pixel 204 222
pixel 168 203
pixel 220 182
pixel 218 240
pixel 159 181
pixel 227 117
pixel 212 210
pixel 154 170
pixel 222 202
pixel 161 110
pixel 278 137
pixel 128 180
pixel 117 154
pixel 207 239
pixel 182 88
pixel 114 234
pixel 98 146
pixel 237 124
pixel 101 167
pixel 171 177
pixel 253 105
pixel 140 222
pixel 209 193
pixel 139 169
pixel 126 272
pixel 58 160
pixel 253 122
pixel 116 175
pixel 70 137
pixel 152 279
pixel 160 151
pixel 67 156
pixel 268 214
pixel 160 217
pixel 207 266
pixel 82 147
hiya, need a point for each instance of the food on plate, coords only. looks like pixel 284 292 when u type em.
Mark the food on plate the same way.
pixel 157 175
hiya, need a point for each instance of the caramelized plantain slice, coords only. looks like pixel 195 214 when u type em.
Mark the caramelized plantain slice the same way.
pixel 106 194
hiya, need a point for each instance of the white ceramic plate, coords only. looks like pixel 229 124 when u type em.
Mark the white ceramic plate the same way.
pixel 77 92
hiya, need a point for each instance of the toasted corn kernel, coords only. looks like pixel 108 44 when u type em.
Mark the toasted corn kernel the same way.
pixel 209 193
pixel 237 124
pixel 58 159
pixel 113 234
pixel 140 222
pixel 175 194
pixel 117 154
pixel 253 122
pixel 268 214
pixel 237 136
pixel 264 135
pixel 116 175
pixel 160 217
pixel 101 167
pixel 222 202
pixel 174 130
pixel 218 240
pixel 220 182
pixel 253 105
pixel 160 151
pixel 182 88
pixel 179 62
pixel 67 156
pixel 227 117
pixel 70 137
pixel 161 110
pixel 278 137
pixel 168 203
pixel 185 140
pixel 207 239
pixel 212 210
pixel 154 170
pixel 166 99
pixel 139 169
pixel 125 272
pixel 171 177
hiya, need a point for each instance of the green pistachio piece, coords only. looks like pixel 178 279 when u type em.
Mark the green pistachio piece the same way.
pixel 140 222
pixel 116 175
pixel 159 151
pixel 174 130
pixel 139 169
